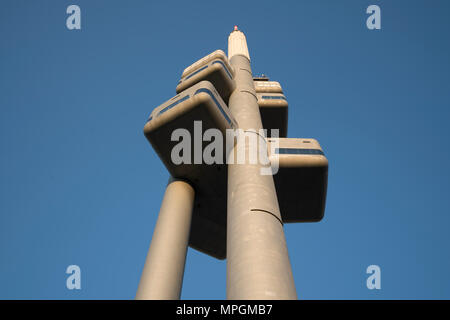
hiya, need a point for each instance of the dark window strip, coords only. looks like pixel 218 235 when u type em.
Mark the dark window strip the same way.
pixel 274 97
pixel 196 72
pixel 173 104
pixel 298 151
pixel 217 103
pixel 223 65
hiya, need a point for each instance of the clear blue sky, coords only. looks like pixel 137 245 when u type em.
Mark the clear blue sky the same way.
pixel 79 183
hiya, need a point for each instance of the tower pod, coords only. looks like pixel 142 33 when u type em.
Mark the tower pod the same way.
pixel 218 54
pixel 274 112
pixel 214 68
pixel 301 181
pixel 267 86
pixel 200 102
pixel 301 184
pixel 199 106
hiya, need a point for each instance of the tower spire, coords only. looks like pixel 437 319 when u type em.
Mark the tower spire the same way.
pixel 237 44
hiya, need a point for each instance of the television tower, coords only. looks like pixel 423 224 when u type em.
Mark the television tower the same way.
pixel 258 265
pixel 229 209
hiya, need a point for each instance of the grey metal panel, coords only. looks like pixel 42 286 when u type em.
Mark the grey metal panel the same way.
pixel 267 87
pixel 218 54
pixel 302 179
pixel 274 112
pixel 215 71
pixel 181 112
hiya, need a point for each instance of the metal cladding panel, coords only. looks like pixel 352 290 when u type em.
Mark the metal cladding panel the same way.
pixel 218 54
pixel 268 87
pixel 301 181
pixel 199 103
pixel 216 72
pixel 272 100
pixel 273 108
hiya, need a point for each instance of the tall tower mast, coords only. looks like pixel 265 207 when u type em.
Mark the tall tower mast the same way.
pixel 258 265
pixel 228 208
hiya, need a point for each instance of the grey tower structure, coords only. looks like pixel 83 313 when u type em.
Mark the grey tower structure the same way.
pixel 227 209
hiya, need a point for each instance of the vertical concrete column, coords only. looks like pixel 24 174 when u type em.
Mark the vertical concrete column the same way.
pixel 162 276
pixel 258 265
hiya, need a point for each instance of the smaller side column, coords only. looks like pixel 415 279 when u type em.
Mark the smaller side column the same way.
pixel 163 272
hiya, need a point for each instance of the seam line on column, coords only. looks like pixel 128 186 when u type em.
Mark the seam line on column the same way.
pixel 247 71
pixel 257 133
pixel 265 211
pixel 247 91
